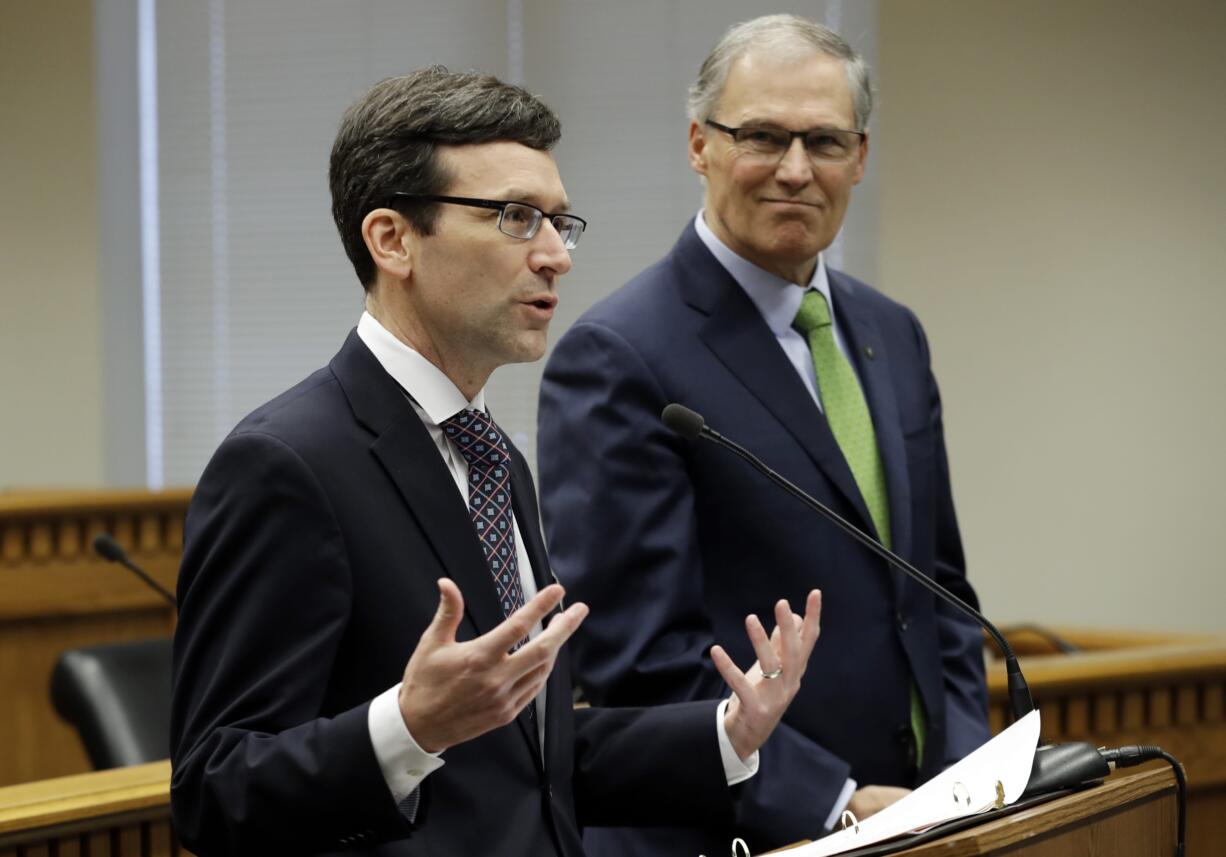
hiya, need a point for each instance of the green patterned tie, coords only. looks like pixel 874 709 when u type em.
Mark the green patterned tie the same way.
pixel 852 426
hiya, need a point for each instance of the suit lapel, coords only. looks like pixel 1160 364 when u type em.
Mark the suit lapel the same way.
pixel 407 452
pixel 864 338
pixel 737 334
pixel 404 447
pixel 528 519
pixel 527 516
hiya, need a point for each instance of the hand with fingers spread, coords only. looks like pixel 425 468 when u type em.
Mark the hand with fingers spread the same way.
pixel 454 691
pixel 761 695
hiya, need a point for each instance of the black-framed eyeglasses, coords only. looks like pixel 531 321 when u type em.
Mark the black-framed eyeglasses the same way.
pixel 830 145
pixel 517 219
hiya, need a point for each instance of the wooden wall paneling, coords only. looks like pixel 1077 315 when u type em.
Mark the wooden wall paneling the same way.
pixel 1106 713
pixel 98 843
pixel 1159 708
pixel 56 594
pixel 1133 710
pixel 1187 704
pixel 1051 717
pixel 1213 698
pixel 161 840
pixel 1077 716
pixel 128 841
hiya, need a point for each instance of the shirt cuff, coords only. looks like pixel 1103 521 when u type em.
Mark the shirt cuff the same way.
pixel 849 789
pixel 735 771
pixel 403 762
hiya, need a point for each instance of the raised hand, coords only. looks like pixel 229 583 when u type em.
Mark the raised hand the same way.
pixel 453 692
pixel 761 695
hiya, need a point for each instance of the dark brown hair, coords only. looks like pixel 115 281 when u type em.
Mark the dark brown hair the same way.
pixel 388 139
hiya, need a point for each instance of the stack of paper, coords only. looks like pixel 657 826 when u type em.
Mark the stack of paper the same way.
pixel 994 775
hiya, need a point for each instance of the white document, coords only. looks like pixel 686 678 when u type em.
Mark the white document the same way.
pixel 967 788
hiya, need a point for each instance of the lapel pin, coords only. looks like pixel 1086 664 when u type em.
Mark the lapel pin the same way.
pixel 869 352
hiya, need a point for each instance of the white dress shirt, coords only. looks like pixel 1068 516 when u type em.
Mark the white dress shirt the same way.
pixel 435 399
pixel 778 300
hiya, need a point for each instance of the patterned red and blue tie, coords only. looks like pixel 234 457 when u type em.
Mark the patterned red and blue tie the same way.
pixel 485 449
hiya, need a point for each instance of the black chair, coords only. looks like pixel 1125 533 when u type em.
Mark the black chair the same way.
pixel 117 697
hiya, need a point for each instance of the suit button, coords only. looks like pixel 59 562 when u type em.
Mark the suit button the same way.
pixel 902 621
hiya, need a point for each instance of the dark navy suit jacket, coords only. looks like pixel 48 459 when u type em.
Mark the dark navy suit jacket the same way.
pixel 672 543
pixel 312 548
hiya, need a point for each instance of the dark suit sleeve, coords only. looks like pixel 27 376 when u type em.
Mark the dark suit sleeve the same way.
pixel 264 598
pixel 644 767
pixel 960 637
pixel 619 514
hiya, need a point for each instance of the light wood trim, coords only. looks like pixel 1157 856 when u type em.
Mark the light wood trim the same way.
pixel 58 503
pixel 1134 667
pixel 1031 642
pixel 63 800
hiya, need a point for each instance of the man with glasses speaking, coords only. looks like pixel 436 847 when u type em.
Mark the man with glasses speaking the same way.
pixel 369 656
pixel 829 382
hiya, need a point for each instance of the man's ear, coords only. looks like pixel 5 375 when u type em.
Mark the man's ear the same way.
pixel 388 240
pixel 861 159
pixel 698 149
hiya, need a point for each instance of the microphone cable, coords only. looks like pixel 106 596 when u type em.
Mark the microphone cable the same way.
pixel 1136 754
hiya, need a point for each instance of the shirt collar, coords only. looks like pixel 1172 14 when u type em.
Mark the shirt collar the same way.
pixel 777 299
pixel 433 391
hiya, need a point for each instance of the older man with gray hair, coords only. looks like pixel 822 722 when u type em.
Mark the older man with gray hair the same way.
pixel 827 380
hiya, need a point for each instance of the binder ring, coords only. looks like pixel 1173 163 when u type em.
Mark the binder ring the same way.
pixel 739 848
pixel 965 791
pixel 848 819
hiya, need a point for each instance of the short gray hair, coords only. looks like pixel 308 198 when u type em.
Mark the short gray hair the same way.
pixel 786 32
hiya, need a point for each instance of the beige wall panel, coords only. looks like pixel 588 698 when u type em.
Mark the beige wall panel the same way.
pixel 50 352
pixel 1053 201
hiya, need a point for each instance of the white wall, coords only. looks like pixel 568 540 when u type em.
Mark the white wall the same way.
pixel 1053 204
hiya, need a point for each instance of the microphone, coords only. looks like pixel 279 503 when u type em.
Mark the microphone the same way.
pixel 109 549
pixel 1055 767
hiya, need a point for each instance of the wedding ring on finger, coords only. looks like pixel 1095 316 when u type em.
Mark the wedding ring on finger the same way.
pixel 775 673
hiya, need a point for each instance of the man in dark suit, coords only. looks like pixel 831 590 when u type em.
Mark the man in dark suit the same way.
pixel 333 690
pixel 829 382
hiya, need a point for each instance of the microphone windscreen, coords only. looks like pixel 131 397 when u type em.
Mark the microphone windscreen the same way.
pixel 107 548
pixel 683 421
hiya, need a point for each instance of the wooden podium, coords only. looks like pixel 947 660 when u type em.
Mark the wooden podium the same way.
pixel 126 813
pixel 1133 814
